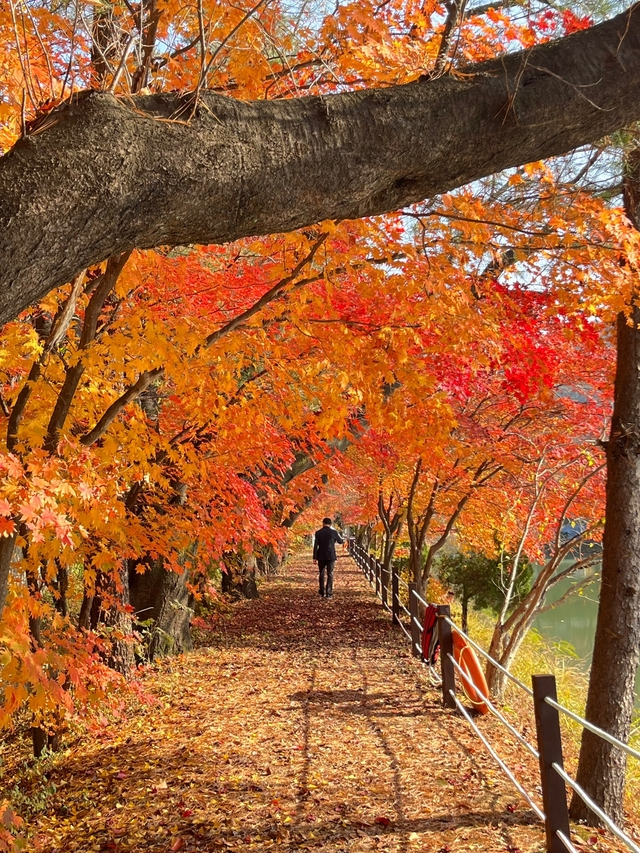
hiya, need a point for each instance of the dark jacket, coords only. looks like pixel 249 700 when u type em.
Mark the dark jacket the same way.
pixel 324 544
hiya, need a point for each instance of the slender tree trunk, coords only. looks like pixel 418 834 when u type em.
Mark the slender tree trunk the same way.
pixel 495 678
pixel 61 587
pixel 504 648
pixel 7 545
pixel 601 767
pixel 465 612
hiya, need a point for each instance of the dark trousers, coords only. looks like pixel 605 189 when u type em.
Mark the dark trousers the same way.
pixel 325 570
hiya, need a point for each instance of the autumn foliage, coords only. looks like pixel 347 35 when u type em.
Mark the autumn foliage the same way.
pixel 180 409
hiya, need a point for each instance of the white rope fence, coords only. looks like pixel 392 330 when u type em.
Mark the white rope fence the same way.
pixel 497 758
pixel 543 685
pixel 596 731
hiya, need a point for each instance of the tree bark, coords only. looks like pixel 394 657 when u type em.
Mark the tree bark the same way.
pixel 7 547
pixel 163 596
pixel 239 576
pixel 268 561
pixel 121 655
pixel 99 176
pixel 465 611
pixel 601 767
pixel 504 647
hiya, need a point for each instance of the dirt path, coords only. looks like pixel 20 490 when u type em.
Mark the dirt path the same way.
pixel 304 724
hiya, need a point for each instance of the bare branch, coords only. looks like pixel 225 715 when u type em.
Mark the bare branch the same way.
pixel 132 393
pixel 271 294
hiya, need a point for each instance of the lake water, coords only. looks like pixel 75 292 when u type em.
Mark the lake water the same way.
pixel 574 621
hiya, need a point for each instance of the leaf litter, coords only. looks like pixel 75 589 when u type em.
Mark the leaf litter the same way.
pixel 300 723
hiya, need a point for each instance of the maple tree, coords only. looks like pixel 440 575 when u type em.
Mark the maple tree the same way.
pixel 175 484
pixel 564 486
pixel 562 353
pixel 512 467
pixel 158 404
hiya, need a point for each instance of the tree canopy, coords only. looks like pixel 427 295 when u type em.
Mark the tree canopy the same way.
pixel 246 282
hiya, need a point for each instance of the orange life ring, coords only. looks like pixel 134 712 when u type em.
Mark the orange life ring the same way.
pixel 466 659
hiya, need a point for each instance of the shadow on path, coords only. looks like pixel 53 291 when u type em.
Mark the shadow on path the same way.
pixel 301 723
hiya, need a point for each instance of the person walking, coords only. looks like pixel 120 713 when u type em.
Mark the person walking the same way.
pixel 324 554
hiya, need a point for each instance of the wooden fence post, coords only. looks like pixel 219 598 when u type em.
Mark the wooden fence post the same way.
pixel 376 567
pixel 554 794
pixel 446 649
pixel 415 630
pixel 395 595
pixel 384 574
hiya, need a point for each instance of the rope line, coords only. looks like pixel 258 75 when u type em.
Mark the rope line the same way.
pixel 489 658
pixel 604 817
pixel 568 845
pixel 596 731
pixel 420 598
pixel 494 710
pixel 497 758
pixel 405 630
pixel 434 678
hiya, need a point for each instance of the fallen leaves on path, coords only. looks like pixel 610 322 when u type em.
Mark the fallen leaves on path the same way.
pixel 302 724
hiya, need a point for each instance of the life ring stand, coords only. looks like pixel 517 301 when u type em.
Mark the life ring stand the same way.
pixel 467 660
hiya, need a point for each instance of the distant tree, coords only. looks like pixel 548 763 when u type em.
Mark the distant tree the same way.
pixel 483 580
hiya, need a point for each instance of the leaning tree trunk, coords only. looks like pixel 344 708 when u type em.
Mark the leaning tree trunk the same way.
pixel 67 194
pixel 504 647
pixel 162 595
pixel 601 767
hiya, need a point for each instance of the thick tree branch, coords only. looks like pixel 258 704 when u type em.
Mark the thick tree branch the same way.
pixel 59 329
pixel 108 175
